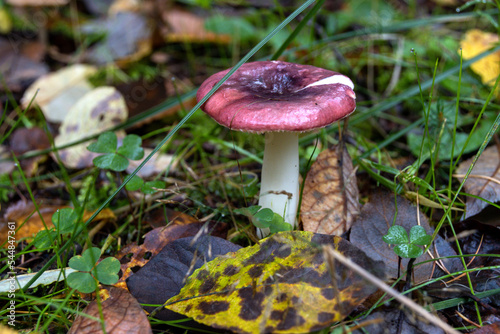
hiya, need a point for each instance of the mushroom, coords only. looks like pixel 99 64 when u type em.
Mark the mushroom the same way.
pixel 279 99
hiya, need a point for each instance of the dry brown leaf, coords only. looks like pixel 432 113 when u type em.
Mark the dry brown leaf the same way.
pixel 484 180
pixel 24 212
pixel 57 92
pixel 97 111
pixel 122 314
pixel 184 26
pixel 132 257
pixel 330 198
pixel 475 42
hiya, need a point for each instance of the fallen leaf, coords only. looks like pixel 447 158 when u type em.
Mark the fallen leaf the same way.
pixel 330 197
pixel 282 285
pixel 476 42
pixel 127 38
pixel 184 26
pixel 28 221
pixel 483 181
pixel 133 256
pixel 24 140
pixel 373 223
pixel 180 225
pixel 165 274
pixel 16 69
pixel 121 312
pixel 55 93
pixel 96 112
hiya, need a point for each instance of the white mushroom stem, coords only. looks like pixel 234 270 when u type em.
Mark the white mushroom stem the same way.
pixel 279 189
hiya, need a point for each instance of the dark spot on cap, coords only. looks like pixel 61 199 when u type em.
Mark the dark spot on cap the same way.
pixel 251 303
pixel 328 293
pixel 325 317
pixel 231 270
pixel 188 308
pixel 213 307
pixel 255 271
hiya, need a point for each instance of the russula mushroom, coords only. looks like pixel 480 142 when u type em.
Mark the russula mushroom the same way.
pixel 280 99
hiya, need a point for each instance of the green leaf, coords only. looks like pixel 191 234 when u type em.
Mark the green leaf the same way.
pixel 86 261
pixel 107 271
pixel 278 224
pixel 64 220
pixel 249 212
pixel 418 236
pixel 134 184
pixel 111 161
pixel 263 218
pixel 45 239
pixel 408 251
pixel 83 282
pixel 106 143
pixel 396 235
pixel 147 188
pixel 131 147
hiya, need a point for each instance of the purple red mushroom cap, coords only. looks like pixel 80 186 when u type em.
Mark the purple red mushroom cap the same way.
pixel 280 99
pixel 278 96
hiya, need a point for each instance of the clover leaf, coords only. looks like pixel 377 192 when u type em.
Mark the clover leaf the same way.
pixel 89 274
pixel 407 247
pixel 116 158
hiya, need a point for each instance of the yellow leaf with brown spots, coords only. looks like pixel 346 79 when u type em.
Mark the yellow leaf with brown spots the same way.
pixel 330 197
pixel 283 285
pixel 476 42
